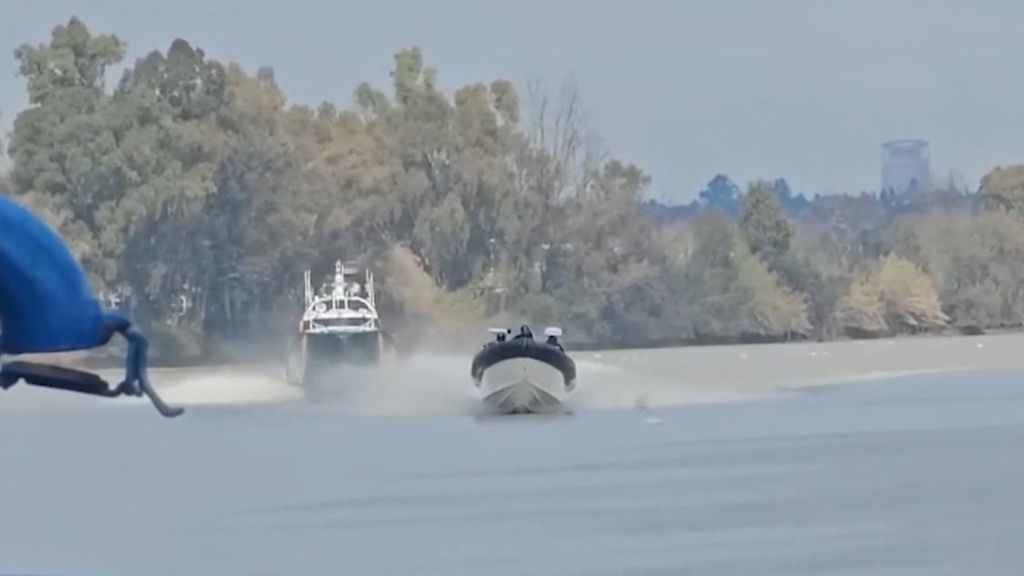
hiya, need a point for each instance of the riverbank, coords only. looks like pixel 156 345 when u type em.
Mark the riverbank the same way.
pixel 747 370
pixel 450 341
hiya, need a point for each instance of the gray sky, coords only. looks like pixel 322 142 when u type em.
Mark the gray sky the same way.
pixel 805 89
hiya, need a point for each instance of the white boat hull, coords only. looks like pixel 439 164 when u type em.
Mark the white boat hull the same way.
pixel 523 385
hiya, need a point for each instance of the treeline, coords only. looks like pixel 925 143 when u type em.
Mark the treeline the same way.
pixel 195 196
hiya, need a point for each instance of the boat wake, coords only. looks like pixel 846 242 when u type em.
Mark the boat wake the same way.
pixel 441 384
pixel 230 385
pixel 421 384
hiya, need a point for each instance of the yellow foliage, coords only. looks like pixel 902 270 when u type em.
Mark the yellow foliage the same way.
pixel 1005 187
pixel 775 308
pixel 909 295
pixel 862 307
pixel 420 296
pixel 896 294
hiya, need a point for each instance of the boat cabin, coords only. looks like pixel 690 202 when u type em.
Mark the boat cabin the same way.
pixel 343 303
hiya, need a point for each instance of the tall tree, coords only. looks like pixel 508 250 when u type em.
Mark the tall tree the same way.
pixel 722 194
pixel 763 225
pixel 64 145
pixel 1004 188
pixel 732 292
pixel 74 62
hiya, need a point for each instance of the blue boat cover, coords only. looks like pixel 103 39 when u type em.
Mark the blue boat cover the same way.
pixel 46 306
pixel 45 301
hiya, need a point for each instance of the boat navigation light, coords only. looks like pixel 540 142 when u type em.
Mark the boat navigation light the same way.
pixel 553 331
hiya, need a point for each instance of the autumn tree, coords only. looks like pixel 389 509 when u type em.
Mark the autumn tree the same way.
pixel 975 261
pixel 195 195
pixel 894 295
pixel 1004 188
pixel 861 311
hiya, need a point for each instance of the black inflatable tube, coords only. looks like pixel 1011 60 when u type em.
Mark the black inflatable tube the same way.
pixel 523 348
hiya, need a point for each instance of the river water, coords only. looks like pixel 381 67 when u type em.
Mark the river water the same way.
pixel 911 475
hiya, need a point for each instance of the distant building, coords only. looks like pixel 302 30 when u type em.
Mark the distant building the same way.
pixel 906 168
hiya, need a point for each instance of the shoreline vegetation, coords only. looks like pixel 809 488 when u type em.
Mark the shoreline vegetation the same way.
pixel 239 355
pixel 195 195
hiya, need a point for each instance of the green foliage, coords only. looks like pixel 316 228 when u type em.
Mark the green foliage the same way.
pixel 73 62
pixel 732 292
pixel 765 228
pixel 197 195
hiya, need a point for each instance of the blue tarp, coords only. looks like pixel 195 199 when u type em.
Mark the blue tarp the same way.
pixel 46 306
pixel 45 302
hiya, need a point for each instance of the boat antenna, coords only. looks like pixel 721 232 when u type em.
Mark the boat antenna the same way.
pixel 307 287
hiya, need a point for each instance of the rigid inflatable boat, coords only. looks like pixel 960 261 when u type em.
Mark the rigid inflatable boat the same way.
pixel 518 374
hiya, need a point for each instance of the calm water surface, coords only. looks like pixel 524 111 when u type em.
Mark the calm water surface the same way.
pixel 918 476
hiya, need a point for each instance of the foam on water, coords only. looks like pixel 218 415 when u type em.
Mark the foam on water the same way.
pixel 440 384
pixel 223 385
pixel 422 384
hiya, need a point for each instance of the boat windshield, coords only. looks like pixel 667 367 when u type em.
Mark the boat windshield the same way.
pixel 341 322
pixel 328 304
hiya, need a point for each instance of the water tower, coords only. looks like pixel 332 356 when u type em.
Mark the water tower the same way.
pixel 906 167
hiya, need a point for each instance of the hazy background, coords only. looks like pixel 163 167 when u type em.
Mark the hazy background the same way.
pixel 800 89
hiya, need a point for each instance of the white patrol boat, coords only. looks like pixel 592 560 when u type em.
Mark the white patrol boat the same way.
pixel 339 325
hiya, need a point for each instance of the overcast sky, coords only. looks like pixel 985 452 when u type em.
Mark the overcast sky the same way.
pixel 805 89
